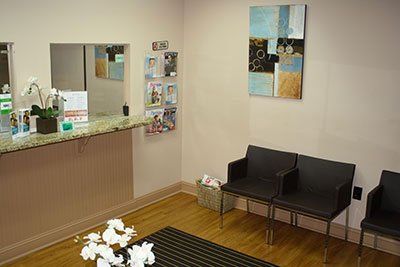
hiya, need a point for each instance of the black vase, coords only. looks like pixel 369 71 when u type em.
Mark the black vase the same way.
pixel 46 126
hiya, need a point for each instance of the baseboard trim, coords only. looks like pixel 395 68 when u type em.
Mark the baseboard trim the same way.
pixel 189 188
pixel 337 230
pixel 67 231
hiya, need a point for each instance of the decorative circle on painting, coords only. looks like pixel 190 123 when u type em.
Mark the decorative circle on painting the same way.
pixel 260 54
pixel 256 62
pixel 252 67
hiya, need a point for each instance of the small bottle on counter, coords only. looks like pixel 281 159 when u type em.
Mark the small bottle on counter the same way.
pixel 125 109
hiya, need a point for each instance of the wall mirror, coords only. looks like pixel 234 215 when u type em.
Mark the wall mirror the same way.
pixel 98 69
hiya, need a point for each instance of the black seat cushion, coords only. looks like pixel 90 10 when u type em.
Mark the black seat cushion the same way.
pixel 257 188
pixel 383 221
pixel 307 202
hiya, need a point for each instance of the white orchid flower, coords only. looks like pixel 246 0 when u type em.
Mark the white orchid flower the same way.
pixel 6 88
pixel 118 261
pixel 32 80
pixel 25 91
pixel 61 94
pixel 110 236
pixel 93 237
pixel 53 92
pixel 150 257
pixel 102 263
pixel 28 91
pixel 130 231
pixel 124 240
pixel 137 256
pixel 101 248
pixel 89 251
pixel 134 263
pixel 116 224
pixel 108 254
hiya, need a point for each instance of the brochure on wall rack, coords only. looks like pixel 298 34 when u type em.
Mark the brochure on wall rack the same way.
pixel 154 94
pixel 151 67
pixel 171 59
pixel 157 125
pixel 171 93
pixel 169 119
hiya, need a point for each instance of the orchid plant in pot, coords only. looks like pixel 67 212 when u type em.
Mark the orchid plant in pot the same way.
pixel 98 247
pixel 47 121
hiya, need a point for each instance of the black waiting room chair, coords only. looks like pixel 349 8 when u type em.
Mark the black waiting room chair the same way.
pixel 383 210
pixel 254 177
pixel 316 188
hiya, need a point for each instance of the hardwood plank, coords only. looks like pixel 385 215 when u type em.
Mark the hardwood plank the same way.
pixel 242 231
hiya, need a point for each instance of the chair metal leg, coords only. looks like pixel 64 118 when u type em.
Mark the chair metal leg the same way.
pixel 346 233
pixel 247 205
pixel 375 241
pixel 295 218
pixel 360 248
pixel 326 241
pixel 221 210
pixel 272 225
pixel 268 223
pixel 291 218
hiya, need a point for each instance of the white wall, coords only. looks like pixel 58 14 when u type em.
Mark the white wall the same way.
pixel 349 111
pixel 33 25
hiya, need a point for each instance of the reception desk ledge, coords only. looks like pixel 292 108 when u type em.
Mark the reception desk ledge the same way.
pixel 82 130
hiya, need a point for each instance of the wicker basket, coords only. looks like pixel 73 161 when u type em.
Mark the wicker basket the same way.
pixel 211 198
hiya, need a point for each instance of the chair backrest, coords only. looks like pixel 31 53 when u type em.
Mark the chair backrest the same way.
pixel 266 163
pixel 321 176
pixel 391 191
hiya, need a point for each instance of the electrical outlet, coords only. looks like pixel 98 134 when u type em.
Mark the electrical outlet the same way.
pixel 357 192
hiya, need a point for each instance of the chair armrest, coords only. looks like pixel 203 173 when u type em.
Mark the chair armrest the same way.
pixel 287 181
pixel 374 201
pixel 342 195
pixel 237 169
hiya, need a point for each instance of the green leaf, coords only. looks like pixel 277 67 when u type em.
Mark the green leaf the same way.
pixel 49 113
pixel 56 112
pixel 39 112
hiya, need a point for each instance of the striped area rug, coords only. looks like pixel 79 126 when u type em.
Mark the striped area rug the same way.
pixel 173 247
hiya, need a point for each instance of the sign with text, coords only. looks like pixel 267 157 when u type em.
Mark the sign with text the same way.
pixel 160 45
pixel 76 106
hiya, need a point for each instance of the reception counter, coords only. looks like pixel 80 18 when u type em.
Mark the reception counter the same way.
pixel 56 185
pixel 97 125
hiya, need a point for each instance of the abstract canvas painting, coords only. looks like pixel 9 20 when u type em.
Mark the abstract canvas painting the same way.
pixel 276 50
pixel 109 61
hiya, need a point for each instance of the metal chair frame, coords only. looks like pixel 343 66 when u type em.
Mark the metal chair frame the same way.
pixel 315 217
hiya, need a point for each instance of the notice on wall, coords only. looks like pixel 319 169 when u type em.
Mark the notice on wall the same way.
pixel 5 103
pixel 76 106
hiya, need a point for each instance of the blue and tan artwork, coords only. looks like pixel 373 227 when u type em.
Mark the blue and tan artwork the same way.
pixel 109 61
pixel 276 50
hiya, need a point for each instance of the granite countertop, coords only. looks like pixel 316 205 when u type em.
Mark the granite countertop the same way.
pixel 95 126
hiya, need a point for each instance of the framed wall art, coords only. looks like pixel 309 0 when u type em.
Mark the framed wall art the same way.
pixel 276 50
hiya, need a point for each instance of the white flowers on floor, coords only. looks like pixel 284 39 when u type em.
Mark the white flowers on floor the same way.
pixel 116 233
pixel 141 255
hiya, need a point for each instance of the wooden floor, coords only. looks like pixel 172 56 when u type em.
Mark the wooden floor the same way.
pixel 242 231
